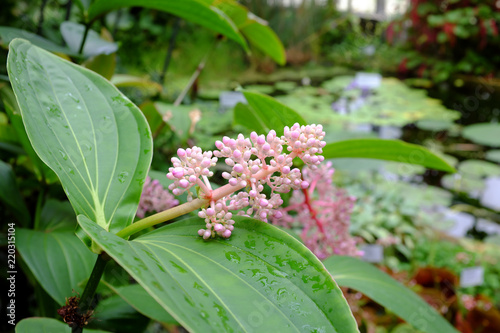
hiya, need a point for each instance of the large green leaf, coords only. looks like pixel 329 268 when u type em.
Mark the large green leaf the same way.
pixel 11 195
pixel 359 275
pixel 55 256
pixel 30 325
pixel 191 10
pixel 261 279
pixel 389 150
pixel 97 142
pixel 41 170
pixel 255 29
pixel 270 113
pixel 7 34
pixel 139 299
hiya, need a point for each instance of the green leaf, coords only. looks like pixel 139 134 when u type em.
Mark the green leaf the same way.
pixel 275 115
pixel 255 29
pixel 359 275
pixel 202 283
pixel 124 80
pixel 389 150
pixel 139 299
pixel 485 134
pixel 30 325
pixel 246 116
pixel 190 10
pixel 152 115
pixel 264 38
pixel 42 171
pixel 102 64
pixel 11 195
pixel 55 256
pixel 115 314
pixel 94 45
pixel 7 34
pixel 95 139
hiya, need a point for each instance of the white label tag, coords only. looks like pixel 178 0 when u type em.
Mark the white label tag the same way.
pixel 373 253
pixel 473 276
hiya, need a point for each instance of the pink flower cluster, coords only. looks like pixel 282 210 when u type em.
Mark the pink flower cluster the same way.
pixel 155 198
pixel 324 217
pixel 255 162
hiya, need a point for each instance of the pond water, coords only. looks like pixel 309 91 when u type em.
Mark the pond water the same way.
pixel 367 105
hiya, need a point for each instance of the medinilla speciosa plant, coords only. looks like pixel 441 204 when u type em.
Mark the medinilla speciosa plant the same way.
pixel 225 269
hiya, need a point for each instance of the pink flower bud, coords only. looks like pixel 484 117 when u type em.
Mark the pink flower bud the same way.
pixel 183 183
pixel 178 172
pixel 238 168
pixel 181 152
pixel 226 233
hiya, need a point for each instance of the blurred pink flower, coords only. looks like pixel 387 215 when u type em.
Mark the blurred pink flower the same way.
pixel 323 212
pixel 155 198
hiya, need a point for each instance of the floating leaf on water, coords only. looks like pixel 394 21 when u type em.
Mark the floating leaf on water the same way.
pixel 493 155
pixel 260 88
pixel 285 85
pixel 479 169
pixel 434 124
pixel 462 184
pixel 486 134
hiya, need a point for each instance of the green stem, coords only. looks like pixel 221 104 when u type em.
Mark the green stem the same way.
pixel 161 217
pixel 85 34
pixel 87 300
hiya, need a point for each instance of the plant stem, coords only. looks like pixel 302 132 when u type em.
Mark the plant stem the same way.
pixel 171 45
pixel 69 4
pixel 160 217
pixel 188 86
pixel 82 44
pixel 40 21
pixel 87 300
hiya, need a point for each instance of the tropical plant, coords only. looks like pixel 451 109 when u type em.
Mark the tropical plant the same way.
pixel 74 131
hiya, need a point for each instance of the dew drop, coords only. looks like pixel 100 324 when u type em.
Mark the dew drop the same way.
pixel 233 257
pixel 122 177
pixel 63 155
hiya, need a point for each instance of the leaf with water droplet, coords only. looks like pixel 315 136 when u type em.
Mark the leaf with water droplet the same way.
pixel 101 159
pixel 222 285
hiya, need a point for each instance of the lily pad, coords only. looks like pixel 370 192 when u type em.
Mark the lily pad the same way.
pixel 260 88
pixel 493 155
pixel 479 169
pixel 434 125
pixel 486 134
pixel 285 85
pixel 463 184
